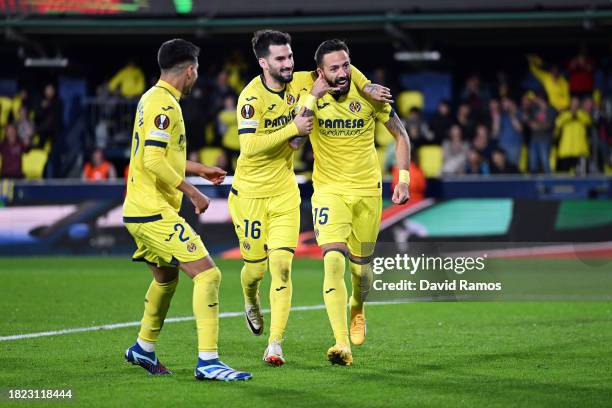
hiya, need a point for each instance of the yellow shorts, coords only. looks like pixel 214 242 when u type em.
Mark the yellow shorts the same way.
pixel 265 223
pixel 354 220
pixel 166 241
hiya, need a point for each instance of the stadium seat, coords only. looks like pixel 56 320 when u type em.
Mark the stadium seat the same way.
pixel 33 163
pixel 209 156
pixel 430 160
pixel 408 100
pixel 434 85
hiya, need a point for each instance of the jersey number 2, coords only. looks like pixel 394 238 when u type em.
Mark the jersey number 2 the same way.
pixel 181 227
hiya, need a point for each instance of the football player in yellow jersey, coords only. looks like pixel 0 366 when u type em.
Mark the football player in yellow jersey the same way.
pixel 156 184
pixel 264 200
pixel 347 181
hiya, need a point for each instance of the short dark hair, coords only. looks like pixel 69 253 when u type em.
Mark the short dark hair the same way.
pixel 327 47
pixel 263 39
pixel 175 52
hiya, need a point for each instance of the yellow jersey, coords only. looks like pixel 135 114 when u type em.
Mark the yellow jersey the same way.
pixel 158 156
pixel 573 136
pixel 342 140
pixel 130 80
pixel 265 125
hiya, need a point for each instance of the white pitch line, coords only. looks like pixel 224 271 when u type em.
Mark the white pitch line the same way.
pixel 132 324
pixel 114 326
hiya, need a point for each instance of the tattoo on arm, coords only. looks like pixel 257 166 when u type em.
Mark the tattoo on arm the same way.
pixel 396 127
pixel 307 113
pixel 402 141
pixel 369 88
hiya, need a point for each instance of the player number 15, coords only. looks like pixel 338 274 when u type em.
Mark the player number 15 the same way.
pixel 320 215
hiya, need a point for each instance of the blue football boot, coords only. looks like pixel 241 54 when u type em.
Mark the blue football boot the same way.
pixel 147 360
pixel 215 369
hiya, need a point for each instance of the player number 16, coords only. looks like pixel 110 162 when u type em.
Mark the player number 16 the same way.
pixel 255 231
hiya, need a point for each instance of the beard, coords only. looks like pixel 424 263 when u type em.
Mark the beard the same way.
pixel 187 88
pixel 343 84
pixel 283 76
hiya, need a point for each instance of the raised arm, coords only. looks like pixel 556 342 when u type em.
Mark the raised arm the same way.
pixel 535 66
pixel 307 105
pixel 375 92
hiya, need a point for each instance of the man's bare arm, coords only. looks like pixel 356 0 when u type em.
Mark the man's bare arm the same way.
pixel 378 93
pixel 401 194
pixel 213 174
pixel 402 141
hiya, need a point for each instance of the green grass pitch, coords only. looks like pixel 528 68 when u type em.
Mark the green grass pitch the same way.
pixel 494 354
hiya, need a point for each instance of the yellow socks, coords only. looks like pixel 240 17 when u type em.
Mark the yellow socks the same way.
pixel 206 308
pixel 334 294
pixel 280 292
pixel 361 277
pixel 157 302
pixel 252 273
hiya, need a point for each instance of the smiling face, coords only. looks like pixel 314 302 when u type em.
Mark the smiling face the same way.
pixel 336 69
pixel 279 63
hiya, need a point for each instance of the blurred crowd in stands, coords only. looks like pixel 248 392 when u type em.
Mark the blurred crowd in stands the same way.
pixel 560 122
pixel 27 132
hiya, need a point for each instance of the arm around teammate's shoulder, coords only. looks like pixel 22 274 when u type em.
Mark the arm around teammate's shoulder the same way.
pixel 252 141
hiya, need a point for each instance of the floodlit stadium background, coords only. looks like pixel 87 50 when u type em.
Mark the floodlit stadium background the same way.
pixel 71 300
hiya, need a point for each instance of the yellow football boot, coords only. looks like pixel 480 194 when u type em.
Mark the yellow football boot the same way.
pixel 357 329
pixel 340 354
